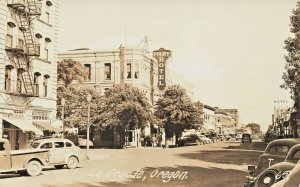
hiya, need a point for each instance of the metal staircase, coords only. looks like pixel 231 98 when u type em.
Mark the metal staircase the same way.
pixel 27 10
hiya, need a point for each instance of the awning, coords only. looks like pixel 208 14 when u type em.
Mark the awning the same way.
pixel 42 125
pixel 24 125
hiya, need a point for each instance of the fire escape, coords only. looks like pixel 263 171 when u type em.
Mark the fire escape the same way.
pixel 21 56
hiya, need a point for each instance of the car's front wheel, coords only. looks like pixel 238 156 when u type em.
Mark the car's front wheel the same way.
pixel 72 162
pixel 34 168
pixel 267 178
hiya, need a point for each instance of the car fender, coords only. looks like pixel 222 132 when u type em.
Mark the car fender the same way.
pixel 33 157
pixel 77 155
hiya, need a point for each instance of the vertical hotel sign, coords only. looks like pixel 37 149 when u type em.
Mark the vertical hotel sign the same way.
pixel 161 55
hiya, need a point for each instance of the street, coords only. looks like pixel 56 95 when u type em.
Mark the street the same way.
pixel 212 165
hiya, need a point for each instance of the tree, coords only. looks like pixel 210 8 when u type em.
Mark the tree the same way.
pixel 291 76
pixel 75 95
pixel 125 108
pixel 70 70
pixel 176 111
pixel 199 113
pixel 255 128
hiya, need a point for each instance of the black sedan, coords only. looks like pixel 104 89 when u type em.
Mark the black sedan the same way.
pixel 191 139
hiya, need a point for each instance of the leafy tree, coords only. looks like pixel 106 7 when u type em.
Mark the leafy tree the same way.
pixel 198 114
pixel 291 76
pixel 76 107
pixel 255 128
pixel 125 108
pixel 70 70
pixel 176 111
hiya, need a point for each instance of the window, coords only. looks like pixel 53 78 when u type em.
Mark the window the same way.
pixel 7 83
pixel 19 80
pixel 38 36
pixel 40 115
pixel 136 71
pixel 9 36
pixel 36 83
pixel 279 150
pixel 297 155
pixel 47 145
pixel 46 50
pixel 59 144
pixel 45 86
pixel 107 71
pixel 128 71
pixel 68 144
pixel 2 147
pixel 47 11
pixel 88 69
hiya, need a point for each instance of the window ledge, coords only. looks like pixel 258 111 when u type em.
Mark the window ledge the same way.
pixel 44 60
pixel 44 22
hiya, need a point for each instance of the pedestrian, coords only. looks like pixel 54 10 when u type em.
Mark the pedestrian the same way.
pixel 153 141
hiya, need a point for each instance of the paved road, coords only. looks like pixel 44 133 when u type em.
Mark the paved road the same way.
pixel 213 165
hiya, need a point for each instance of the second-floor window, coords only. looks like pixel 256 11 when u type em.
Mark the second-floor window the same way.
pixel 7 83
pixel 19 80
pixel 36 83
pixel 136 71
pixel 46 50
pixel 45 85
pixel 107 71
pixel 88 70
pixel 128 71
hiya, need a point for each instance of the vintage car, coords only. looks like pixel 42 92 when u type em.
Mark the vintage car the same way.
pixel 246 137
pixel 280 170
pixel 276 152
pixel 191 139
pixel 292 180
pixel 61 152
pixel 82 141
pixel 22 161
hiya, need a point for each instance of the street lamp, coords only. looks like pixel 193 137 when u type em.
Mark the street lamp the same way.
pixel 63 102
pixel 88 98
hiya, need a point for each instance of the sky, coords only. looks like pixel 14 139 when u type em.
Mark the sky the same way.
pixel 230 51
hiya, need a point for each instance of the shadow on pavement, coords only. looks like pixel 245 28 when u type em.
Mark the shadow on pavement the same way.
pixel 225 156
pixel 258 146
pixel 173 176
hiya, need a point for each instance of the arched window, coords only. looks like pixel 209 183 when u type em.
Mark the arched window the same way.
pixel 9 35
pixel 7 83
pixel 45 85
pixel 38 37
pixel 36 76
pixel 47 11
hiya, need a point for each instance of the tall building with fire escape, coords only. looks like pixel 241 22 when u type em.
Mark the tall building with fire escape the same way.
pixel 28 69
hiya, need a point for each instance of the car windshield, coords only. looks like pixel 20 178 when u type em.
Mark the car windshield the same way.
pixel 34 145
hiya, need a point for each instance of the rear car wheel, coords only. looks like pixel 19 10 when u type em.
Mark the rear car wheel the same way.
pixel 72 162
pixel 267 178
pixel 34 168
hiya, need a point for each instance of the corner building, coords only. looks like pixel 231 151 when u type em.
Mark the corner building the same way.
pixel 130 65
pixel 28 69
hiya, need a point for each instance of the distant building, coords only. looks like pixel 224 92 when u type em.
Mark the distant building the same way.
pixel 281 117
pixel 209 121
pixel 28 68
pixel 225 123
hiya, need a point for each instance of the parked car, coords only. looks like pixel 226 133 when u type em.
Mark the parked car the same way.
pixel 238 136
pixel 62 152
pixel 191 139
pixel 280 170
pixel 82 141
pixel 30 161
pixel 275 152
pixel 246 137
pixel 292 179
pixel 204 139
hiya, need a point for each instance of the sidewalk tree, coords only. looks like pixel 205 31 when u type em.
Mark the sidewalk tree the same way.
pixel 291 76
pixel 125 108
pixel 75 95
pixel 176 111
pixel 69 70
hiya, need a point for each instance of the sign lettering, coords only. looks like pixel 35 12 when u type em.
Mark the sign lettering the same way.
pixel 161 55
